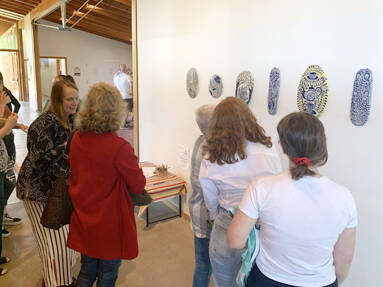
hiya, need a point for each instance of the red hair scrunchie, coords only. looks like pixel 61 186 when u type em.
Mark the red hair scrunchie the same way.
pixel 302 161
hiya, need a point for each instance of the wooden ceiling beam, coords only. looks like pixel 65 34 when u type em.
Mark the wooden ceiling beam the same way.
pixel 43 7
pixel 14 8
pixel 105 24
pixel 24 2
pixel 97 26
pixel 102 9
pixel 107 3
pixel 11 16
pixel 126 2
pixel 16 5
pixel 5 19
pixel 113 22
pixel 101 31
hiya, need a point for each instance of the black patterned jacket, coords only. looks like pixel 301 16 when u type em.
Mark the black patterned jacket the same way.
pixel 46 145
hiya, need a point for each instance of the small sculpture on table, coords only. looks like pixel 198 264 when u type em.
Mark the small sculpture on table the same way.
pixel 162 171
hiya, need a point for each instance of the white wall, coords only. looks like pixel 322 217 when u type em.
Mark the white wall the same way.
pixel 97 57
pixel 226 37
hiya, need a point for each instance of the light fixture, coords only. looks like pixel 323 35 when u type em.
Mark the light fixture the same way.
pixel 78 13
pixel 88 6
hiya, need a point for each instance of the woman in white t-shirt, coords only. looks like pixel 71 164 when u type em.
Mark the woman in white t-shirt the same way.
pixel 236 151
pixel 308 222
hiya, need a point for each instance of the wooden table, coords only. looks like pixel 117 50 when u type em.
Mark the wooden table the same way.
pixel 163 188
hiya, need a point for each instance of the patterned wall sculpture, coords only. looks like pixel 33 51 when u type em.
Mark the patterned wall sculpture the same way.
pixel 215 86
pixel 274 85
pixel 313 91
pixel 192 84
pixel 244 86
pixel 361 97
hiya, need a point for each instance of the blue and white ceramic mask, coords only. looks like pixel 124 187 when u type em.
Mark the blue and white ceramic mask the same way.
pixel 244 86
pixel 192 84
pixel 361 97
pixel 274 85
pixel 313 91
pixel 215 86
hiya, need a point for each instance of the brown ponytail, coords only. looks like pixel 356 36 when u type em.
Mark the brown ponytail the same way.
pixel 302 136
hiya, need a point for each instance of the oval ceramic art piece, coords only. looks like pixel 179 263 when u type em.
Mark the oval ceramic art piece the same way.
pixel 244 86
pixel 274 85
pixel 361 97
pixel 313 91
pixel 192 83
pixel 215 86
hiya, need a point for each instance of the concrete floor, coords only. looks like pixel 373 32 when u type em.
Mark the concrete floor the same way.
pixel 166 249
pixel 166 255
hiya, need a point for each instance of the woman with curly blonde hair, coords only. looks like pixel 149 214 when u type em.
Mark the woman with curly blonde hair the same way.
pixel 237 150
pixel 103 170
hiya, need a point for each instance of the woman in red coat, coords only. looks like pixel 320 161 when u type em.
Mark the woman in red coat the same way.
pixel 103 170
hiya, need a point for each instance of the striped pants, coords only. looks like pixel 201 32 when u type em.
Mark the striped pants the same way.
pixel 56 258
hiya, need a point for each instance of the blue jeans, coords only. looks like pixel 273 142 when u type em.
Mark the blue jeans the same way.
pixel 105 271
pixel 202 269
pixel 226 262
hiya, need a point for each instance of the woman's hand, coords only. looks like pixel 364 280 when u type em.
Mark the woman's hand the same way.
pixel 22 127
pixel 11 122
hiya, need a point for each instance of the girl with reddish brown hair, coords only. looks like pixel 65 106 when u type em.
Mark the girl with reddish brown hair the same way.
pixel 237 150
pixel 308 222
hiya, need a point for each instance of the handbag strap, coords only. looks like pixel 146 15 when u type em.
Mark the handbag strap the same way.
pixel 65 163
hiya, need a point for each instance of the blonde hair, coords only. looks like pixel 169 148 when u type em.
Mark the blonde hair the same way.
pixel 103 110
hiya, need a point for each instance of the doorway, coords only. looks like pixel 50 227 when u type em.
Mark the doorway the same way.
pixel 50 67
pixel 10 69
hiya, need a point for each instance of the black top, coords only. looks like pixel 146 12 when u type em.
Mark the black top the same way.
pixel 45 143
pixel 14 101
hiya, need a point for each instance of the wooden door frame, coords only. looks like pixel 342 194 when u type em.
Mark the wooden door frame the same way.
pixel 20 46
pixel 39 96
pixel 135 79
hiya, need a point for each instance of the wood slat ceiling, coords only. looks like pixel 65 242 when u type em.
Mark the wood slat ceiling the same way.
pixel 111 19
pixel 11 11
pixel 22 7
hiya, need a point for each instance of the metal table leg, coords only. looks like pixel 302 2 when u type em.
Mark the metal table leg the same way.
pixel 147 216
pixel 180 204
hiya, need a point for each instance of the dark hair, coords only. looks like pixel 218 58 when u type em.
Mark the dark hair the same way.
pixel 1 77
pixel 230 126
pixel 57 100
pixel 302 135
pixel 69 78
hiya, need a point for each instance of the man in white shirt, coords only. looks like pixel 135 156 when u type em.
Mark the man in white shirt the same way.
pixel 123 81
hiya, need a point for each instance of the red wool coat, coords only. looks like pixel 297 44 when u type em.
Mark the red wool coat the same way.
pixel 103 224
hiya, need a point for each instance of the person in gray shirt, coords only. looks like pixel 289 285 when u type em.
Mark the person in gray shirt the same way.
pixel 198 212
